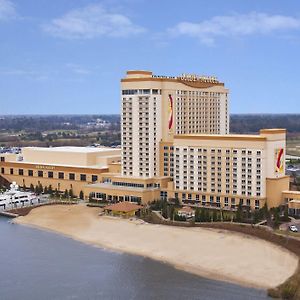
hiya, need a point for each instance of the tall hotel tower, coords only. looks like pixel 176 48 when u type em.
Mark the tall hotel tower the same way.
pixel 155 108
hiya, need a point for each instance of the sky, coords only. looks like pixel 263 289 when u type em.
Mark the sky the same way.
pixel 68 56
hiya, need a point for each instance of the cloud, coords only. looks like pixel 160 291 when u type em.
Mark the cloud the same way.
pixel 235 25
pixel 7 10
pixel 91 22
pixel 24 73
pixel 77 69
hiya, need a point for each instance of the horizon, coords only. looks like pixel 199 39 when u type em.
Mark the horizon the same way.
pixel 115 114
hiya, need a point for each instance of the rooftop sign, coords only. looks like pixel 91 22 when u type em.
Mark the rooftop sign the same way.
pixel 194 77
pixel 190 77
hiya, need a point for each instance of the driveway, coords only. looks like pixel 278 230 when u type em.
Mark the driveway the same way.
pixel 295 222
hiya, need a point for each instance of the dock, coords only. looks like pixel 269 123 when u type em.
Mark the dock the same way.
pixel 8 214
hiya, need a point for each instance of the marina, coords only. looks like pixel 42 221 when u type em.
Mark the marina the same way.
pixel 14 198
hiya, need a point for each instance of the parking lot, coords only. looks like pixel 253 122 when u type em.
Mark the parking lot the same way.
pixel 285 226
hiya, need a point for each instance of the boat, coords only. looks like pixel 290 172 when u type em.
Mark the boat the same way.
pixel 14 198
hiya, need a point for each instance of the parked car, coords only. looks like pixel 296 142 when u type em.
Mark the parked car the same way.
pixel 293 228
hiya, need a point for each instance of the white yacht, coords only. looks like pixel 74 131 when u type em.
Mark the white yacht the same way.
pixel 14 198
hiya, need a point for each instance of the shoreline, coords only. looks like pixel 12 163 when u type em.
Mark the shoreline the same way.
pixel 188 269
pixel 236 271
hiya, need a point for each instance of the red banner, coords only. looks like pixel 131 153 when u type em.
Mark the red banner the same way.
pixel 170 111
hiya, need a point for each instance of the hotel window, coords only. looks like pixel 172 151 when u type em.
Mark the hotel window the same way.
pixel 11 171
pixel 61 175
pixel 82 177
pixel 2 170
pixel 2 159
pixel 40 174
pixel 30 173
pixel 94 178
pixel 256 204
pixel 71 176
pixel 21 172
pixel 50 174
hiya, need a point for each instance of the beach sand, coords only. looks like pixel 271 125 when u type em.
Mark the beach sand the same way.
pixel 211 253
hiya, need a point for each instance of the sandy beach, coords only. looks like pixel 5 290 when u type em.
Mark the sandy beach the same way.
pixel 210 253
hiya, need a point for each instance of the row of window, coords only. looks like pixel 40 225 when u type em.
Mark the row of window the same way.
pixel 141 92
pixel 216 200
pixel 227 151
pixel 50 174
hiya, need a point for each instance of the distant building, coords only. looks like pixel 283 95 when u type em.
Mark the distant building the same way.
pixel 122 209
pixel 186 212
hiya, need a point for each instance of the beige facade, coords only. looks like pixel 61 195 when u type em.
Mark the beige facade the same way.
pixel 212 171
pixel 71 156
pixel 154 108
pixel 292 198
pixel 63 168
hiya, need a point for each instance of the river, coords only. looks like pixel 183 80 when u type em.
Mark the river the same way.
pixel 37 264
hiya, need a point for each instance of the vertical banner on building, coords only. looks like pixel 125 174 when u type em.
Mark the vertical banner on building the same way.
pixel 279 161
pixel 170 112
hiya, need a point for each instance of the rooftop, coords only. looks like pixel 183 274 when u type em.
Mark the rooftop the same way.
pixel 119 187
pixel 192 80
pixel 241 137
pixel 73 149
pixel 186 209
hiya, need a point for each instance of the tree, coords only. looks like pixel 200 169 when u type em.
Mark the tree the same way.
pixel 206 215
pixel 81 195
pixel 202 215
pixel 36 189
pixel 40 188
pixel 276 218
pixel 215 216
pixel 46 190
pixel 176 202
pixel 66 194
pixel 286 214
pixel 256 218
pixel 171 212
pixel 266 213
pixel 164 211
pixel 71 194
pixel 31 187
pixel 90 197
pixel 56 193
pixel 239 213
pixel 50 190
pixel 179 218
pixel 198 215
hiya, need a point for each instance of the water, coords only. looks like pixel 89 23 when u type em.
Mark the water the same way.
pixel 36 264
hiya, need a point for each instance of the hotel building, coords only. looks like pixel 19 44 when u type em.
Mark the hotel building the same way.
pixel 175 144
pixel 63 168
pixel 154 108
